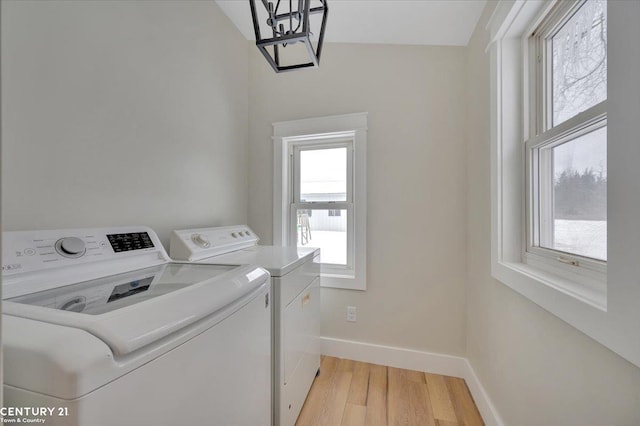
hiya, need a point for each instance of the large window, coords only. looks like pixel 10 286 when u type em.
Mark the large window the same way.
pixel 567 145
pixel 565 142
pixel 320 193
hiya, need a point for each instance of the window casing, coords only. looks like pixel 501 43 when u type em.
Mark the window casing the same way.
pixel 298 209
pixel 607 313
pixel 552 132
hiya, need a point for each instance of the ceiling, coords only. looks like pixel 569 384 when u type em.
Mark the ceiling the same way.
pixel 425 22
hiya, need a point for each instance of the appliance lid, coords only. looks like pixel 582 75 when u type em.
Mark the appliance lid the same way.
pixel 133 309
pixel 278 260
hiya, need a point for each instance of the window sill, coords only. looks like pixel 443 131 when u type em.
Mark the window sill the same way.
pixel 550 291
pixel 345 282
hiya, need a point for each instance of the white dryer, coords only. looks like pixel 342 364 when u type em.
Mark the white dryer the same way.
pixel 295 280
pixel 100 328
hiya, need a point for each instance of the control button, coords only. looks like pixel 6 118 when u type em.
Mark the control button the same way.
pixel 103 243
pixel 200 240
pixel 234 235
pixel 70 247
pixel 247 233
pixel 29 252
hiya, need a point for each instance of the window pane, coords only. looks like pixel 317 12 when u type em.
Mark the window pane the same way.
pixel 580 195
pixel 579 61
pixel 323 175
pixel 329 232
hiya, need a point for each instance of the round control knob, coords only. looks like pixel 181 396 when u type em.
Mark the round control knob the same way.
pixel 70 247
pixel 200 240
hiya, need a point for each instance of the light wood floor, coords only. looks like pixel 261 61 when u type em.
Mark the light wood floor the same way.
pixel 355 393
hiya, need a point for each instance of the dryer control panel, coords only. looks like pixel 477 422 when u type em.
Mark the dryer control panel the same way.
pixel 201 243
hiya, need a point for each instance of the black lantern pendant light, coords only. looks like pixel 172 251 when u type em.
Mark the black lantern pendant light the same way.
pixel 287 23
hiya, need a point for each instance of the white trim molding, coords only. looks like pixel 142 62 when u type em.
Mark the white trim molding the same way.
pixel 289 134
pixel 612 318
pixel 319 125
pixel 410 359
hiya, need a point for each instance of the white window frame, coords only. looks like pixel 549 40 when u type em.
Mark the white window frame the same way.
pixel 541 134
pixel 296 145
pixel 611 317
pixel 289 139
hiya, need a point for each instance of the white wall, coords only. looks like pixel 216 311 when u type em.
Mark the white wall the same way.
pixel 416 185
pixel 121 113
pixel 537 369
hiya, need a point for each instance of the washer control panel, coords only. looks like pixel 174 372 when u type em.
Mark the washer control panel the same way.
pixel 28 251
pixel 196 244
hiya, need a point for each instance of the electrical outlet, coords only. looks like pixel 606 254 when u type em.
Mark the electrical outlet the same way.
pixel 352 314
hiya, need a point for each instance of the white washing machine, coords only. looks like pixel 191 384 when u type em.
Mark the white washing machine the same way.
pixel 101 328
pixel 295 286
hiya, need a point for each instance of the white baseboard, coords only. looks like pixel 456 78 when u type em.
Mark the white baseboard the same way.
pixel 410 359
